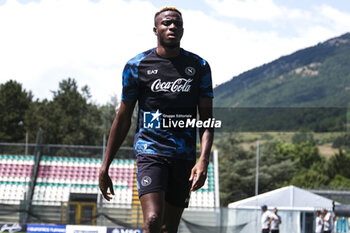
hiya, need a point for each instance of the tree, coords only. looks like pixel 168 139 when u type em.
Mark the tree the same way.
pixel 108 113
pixel 35 118
pixel 302 137
pixel 308 178
pixel 306 154
pixel 237 168
pixel 277 165
pixel 340 182
pixel 339 164
pixel 14 102
pixel 69 118
pixel 342 141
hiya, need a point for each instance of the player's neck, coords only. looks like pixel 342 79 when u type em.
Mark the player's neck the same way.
pixel 168 52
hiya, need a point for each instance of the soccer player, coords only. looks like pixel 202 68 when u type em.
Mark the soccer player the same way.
pixel 170 84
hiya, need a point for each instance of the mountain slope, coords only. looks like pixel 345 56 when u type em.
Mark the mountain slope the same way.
pixel 317 76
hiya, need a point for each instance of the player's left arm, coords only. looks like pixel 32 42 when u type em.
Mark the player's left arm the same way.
pixel 200 170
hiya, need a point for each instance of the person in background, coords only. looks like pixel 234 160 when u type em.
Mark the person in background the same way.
pixel 342 225
pixel 327 221
pixel 266 219
pixel 319 222
pixel 275 222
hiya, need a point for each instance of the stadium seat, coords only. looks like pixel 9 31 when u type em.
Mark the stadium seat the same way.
pixel 58 176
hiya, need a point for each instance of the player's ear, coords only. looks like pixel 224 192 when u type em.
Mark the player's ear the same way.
pixel 155 30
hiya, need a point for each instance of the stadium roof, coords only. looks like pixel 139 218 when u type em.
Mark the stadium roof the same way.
pixel 288 198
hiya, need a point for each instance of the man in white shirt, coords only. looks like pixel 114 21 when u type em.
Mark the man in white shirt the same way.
pixel 327 221
pixel 266 219
pixel 275 222
pixel 319 222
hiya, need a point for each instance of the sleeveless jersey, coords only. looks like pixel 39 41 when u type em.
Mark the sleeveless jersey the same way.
pixel 167 90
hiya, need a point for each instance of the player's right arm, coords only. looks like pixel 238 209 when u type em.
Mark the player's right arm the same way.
pixel 117 134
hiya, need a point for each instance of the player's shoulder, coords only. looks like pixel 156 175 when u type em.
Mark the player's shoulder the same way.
pixel 195 57
pixel 139 57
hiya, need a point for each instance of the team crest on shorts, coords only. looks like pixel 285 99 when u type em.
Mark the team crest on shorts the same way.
pixel 190 71
pixel 146 180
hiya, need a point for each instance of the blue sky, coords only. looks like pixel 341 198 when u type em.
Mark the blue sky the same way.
pixel 45 41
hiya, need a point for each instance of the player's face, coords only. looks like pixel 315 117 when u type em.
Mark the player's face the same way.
pixel 169 29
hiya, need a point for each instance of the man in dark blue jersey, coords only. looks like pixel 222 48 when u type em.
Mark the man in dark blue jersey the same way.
pixel 169 84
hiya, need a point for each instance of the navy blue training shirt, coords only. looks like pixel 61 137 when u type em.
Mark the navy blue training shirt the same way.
pixel 172 87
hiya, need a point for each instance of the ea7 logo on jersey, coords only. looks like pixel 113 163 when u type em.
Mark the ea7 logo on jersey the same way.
pixel 149 72
pixel 190 71
pixel 151 120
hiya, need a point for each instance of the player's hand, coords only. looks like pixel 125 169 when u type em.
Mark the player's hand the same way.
pixel 105 182
pixel 199 174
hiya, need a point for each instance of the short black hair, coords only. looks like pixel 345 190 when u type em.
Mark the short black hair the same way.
pixel 167 8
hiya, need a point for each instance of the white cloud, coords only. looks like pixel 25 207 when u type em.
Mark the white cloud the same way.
pixel 231 49
pixel 236 49
pixel 43 43
pixel 280 16
pixel 248 9
pixel 335 17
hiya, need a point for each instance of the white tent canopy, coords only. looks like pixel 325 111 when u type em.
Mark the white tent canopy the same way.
pixel 287 198
pixel 296 209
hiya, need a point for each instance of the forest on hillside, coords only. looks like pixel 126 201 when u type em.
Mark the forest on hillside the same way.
pixel 316 76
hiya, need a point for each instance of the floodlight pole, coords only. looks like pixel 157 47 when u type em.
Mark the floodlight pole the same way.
pixel 216 178
pixel 257 170
pixel 26 147
pixel 33 178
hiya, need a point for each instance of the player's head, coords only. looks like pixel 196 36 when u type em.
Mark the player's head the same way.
pixel 318 213
pixel 275 210
pixel 168 27
pixel 164 9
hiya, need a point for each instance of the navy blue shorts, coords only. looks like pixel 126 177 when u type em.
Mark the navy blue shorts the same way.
pixel 159 173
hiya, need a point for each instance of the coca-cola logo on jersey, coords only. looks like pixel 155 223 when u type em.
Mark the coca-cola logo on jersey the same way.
pixel 179 85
